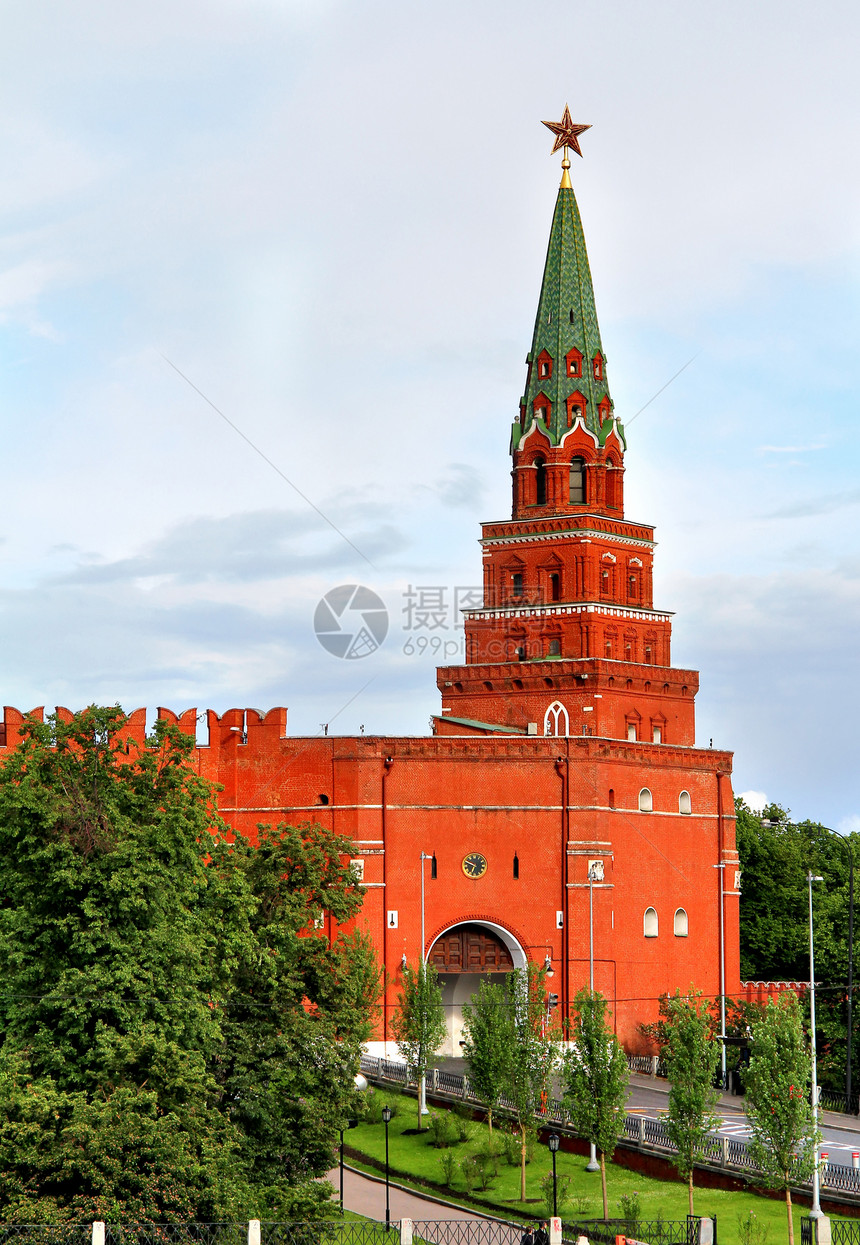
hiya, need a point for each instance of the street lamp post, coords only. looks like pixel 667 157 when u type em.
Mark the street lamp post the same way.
pixel 348 1124
pixel 815 1212
pixel 554 1141
pixel 386 1119
pixel 722 868
pixel 595 874
pixel 431 856
pixel 360 1083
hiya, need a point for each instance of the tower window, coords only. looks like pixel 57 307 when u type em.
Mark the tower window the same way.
pixel 631 732
pixel 544 365
pixel 555 720
pixel 657 734
pixel 518 583
pixel 597 367
pixel 554 588
pixel 646 803
pixel 540 482
pixel 554 648
pixel 650 925
pixel 682 927
pixel 516 867
pixel 577 482
pixel 572 320
pixel 684 803
pixel 612 797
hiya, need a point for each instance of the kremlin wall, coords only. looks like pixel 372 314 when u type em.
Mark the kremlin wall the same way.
pixel 561 805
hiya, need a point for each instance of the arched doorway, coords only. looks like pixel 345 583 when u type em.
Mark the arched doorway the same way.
pixel 464 956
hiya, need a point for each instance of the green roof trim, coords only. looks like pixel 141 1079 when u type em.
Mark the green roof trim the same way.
pixel 484 726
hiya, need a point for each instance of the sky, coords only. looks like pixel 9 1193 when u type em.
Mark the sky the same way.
pixel 268 276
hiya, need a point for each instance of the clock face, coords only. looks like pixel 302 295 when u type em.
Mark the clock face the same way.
pixel 474 865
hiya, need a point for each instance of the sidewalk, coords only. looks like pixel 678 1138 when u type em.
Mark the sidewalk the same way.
pixel 365 1195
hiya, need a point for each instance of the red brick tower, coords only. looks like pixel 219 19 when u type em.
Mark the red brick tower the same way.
pixel 568 619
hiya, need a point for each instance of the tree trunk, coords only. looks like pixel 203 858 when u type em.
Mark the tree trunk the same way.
pixel 690 1189
pixel 490 1121
pixel 790 1217
pixel 603 1184
pixel 523 1163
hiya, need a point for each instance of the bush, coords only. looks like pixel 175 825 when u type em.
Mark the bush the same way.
pixel 375 1100
pixel 448 1162
pixel 562 1194
pixel 442 1129
pixel 512 1143
pixel 491 1152
pixel 476 1171
pixel 750 1230
pixel 630 1207
pixel 462 1121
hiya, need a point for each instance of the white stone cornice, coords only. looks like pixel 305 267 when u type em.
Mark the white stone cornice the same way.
pixel 579 533
pixel 575 607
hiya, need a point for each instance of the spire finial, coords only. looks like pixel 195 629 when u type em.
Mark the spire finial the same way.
pixel 567 134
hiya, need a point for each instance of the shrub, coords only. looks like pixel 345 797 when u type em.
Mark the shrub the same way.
pixel 562 1193
pixel 751 1231
pixel 442 1130
pixel 448 1162
pixel 630 1207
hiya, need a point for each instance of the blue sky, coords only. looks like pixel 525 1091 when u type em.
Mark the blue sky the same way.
pixel 332 219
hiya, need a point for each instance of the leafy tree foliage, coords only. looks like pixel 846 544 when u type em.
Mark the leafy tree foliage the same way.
pixel 418 1022
pixel 533 1051
pixel 487 1049
pixel 595 1079
pixel 778 1100
pixel 174 1040
pixel 775 859
pixel 692 1055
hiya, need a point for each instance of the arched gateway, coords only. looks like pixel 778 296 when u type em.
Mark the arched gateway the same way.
pixel 464 956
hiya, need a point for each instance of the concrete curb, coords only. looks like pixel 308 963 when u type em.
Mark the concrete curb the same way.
pixel 437 1201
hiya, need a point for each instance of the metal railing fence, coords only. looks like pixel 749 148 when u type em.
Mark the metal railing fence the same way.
pixel 640 1131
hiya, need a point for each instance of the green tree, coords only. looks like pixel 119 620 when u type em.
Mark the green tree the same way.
pixel 488 1044
pixel 692 1055
pixel 775 855
pixel 778 1104
pixel 418 1022
pixel 595 1079
pixel 143 971
pixel 534 1038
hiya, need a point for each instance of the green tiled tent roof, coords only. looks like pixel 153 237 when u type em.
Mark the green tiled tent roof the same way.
pixel 566 318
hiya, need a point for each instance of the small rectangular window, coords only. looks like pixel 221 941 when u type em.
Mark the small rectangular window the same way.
pixel 631 731
pixel 657 735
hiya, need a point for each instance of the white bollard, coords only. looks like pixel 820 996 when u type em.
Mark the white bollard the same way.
pixel 253 1232
pixel 406 1227
pixel 855 1159
pixel 555 1231
pixel 99 1232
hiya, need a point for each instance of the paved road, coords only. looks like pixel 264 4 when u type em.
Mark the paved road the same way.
pixel 366 1196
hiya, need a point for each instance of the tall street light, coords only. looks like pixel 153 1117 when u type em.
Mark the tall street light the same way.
pixel 815 1212
pixel 553 1141
pixel 360 1083
pixel 595 874
pixel 431 856
pixel 722 868
pixel 386 1119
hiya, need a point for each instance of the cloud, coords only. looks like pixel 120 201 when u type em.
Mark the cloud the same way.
pixel 755 800
pixel 816 506
pixel 850 824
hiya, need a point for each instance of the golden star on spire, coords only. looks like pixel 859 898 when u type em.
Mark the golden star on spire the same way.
pixel 566 132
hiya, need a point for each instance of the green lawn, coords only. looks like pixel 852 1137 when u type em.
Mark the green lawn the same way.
pixel 416 1157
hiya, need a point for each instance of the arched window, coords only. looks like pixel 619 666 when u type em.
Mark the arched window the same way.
pixel 577 482
pixel 650 925
pixel 555 720
pixel 553 648
pixel 540 482
pixel 646 804
pixel 681 924
pixel 684 803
